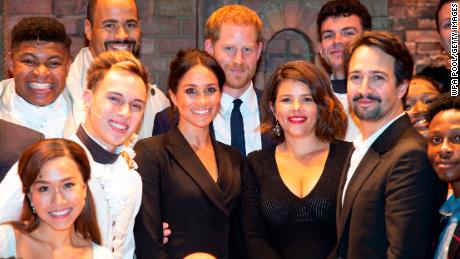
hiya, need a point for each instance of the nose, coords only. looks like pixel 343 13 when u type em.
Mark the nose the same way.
pixel 338 39
pixel 296 104
pixel 419 107
pixel 238 57
pixel 202 98
pixel 124 110
pixel 58 198
pixel 121 33
pixel 41 71
pixel 446 149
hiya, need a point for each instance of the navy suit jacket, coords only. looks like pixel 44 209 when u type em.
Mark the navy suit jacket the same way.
pixel 166 119
pixel 13 140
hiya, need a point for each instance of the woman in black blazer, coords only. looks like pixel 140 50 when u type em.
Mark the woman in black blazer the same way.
pixel 189 179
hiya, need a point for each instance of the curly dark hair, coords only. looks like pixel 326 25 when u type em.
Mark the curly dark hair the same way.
pixel 331 122
pixel 443 103
pixel 39 28
pixel 345 8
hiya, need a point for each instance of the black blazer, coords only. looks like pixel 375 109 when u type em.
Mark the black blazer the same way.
pixel 177 189
pixel 166 119
pixel 391 203
pixel 13 140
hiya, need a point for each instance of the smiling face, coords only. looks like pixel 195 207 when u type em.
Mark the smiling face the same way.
pixel 39 70
pixel 115 108
pixel 336 32
pixel 371 86
pixel 237 52
pixel 444 145
pixel 420 95
pixel 295 109
pixel 115 27
pixel 197 98
pixel 58 193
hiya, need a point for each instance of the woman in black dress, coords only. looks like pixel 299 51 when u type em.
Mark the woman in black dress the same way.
pixel 190 180
pixel 290 200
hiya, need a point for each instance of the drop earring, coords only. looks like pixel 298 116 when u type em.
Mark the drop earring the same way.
pixel 277 129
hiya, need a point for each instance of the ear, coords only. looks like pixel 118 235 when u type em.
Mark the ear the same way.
pixel 260 46
pixel 85 191
pixel 401 89
pixel 88 30
pixel 87 98
pixel 209 47
pixel 10 62
pixel 272 108
pixel 173 97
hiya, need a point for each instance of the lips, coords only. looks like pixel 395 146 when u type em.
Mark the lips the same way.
pixel 119 46
pixel 40 86
pixel 118 126
pixel 445 164
pixel 297 119
pixel 59 214
pixel 201 111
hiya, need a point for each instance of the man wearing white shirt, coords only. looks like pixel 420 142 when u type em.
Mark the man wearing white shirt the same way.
pixel 338 22
pixel 112 25
pixel 234 39
pixel 36 96
pixel 389 195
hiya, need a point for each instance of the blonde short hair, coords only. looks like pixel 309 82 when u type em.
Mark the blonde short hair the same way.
pixel 232 14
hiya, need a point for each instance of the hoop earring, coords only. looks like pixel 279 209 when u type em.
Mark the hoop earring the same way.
pixel 277 129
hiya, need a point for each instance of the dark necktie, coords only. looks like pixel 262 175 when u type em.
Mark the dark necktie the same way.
pixel 237 127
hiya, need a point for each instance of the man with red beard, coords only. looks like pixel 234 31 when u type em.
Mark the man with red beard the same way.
pixel 234 39
pixel 444 154
pixel 338 22
pixel 112 25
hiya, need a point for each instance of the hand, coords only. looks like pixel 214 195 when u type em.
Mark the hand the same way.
pixel 200 255
pixel 166 232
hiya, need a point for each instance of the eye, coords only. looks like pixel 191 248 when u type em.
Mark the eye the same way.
pixel 137 106
pixel 354 77
pixel 285 99
pixel 54 63
pixel 43 188
pixel 378 77
pixel 349 33
pixel 131 25
pixel 228 49
pixel 325 36
pixel 114 99
pixel 456 139
pixel 211 90
pixel 407 106
pixel 68 185
pixel 429 100
pixel 109 25
pixel 28 61
pixel 308 99
pixel 190 91
pixel 447 26
pixel 247 50
pixel 435 140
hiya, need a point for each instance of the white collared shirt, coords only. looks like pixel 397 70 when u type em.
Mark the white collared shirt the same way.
pixel 251 119
pixel 361 148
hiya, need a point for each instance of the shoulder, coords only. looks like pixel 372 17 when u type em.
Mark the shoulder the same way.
pixel 152 144
pixel 100 252
pixel 7 241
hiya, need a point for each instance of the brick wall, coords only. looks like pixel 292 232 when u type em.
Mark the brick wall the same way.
pixel 168 25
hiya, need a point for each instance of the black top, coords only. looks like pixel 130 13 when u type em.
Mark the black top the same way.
pixel 177 189
pixel 277 223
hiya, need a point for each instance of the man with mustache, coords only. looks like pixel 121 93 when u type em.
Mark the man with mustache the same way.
pixel 338 22
pixel 389 195
pixel 112 25
pixel 444 154
pixel 234 39
pixel 36 97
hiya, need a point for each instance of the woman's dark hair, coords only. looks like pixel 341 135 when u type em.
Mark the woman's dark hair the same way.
pixel 188 58
pixel 331 122
pixel 30 164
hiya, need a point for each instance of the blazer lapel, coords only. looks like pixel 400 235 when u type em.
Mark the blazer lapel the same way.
pixel 182 152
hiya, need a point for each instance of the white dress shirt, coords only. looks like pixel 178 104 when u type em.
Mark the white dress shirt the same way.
pixel 55 120
pixel 116 191
pixel 251 119
pixel 361 148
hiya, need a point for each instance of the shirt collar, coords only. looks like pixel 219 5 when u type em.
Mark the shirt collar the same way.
pixel 451 207
pixel 360 143
pixel 249 99
pixel 99 154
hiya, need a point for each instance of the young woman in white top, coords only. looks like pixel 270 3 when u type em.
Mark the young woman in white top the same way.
pixel 58 218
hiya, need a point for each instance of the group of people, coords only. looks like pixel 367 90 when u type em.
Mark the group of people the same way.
pixel 98 163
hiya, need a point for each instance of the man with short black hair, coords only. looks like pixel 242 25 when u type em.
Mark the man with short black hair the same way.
pixel 338 22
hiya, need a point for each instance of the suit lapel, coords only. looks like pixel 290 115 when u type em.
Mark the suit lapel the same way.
pixel 178 146
pixel 365 168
